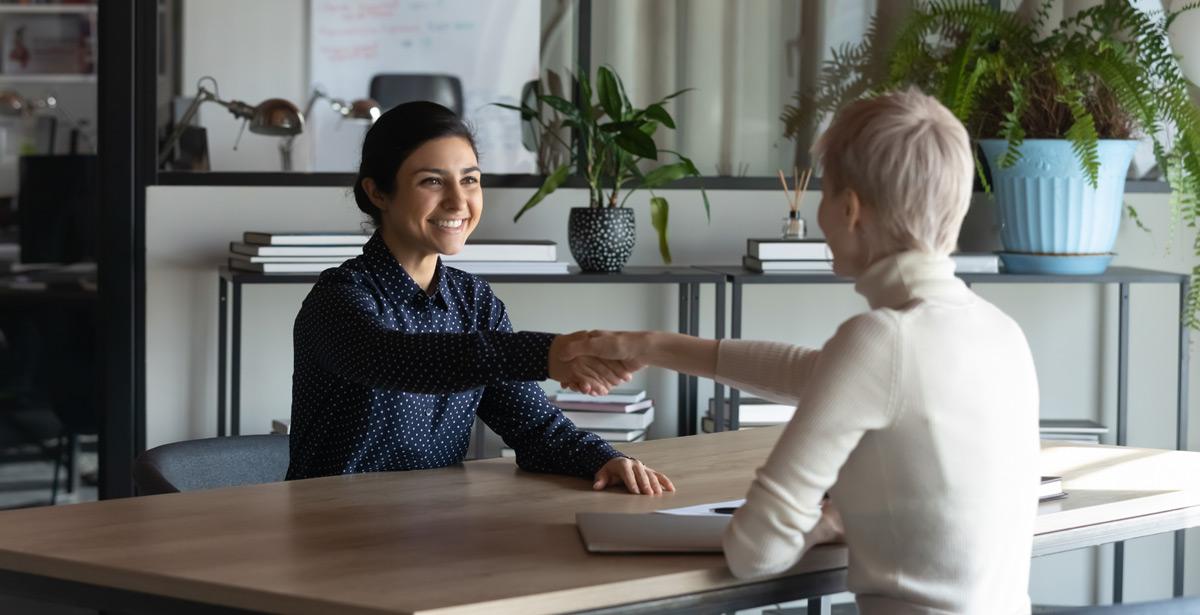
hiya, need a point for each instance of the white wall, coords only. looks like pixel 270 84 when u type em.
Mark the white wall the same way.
pixel 255 51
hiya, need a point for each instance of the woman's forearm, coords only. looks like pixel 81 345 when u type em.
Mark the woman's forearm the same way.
pixel 681 353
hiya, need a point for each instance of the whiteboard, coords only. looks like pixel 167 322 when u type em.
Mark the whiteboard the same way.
pixel 492 46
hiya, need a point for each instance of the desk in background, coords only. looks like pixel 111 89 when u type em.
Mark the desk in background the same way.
pixel 484 537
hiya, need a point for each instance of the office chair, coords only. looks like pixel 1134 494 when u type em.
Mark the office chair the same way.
pixel 1178 606
pixel 30 413
pixel 392 89
pixel 210 463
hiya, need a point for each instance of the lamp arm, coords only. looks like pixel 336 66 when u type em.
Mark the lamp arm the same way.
pixel 317 94
pixel 285 148
pixel 202 96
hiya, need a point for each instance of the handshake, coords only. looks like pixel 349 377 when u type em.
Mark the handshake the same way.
pixel 593 362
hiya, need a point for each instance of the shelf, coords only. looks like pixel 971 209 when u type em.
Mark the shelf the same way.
pixel 48 78
pixel 46 9
pixel 1113 275
pixel 630 275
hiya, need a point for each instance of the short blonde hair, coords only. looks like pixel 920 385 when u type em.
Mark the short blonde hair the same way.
pixel 908 158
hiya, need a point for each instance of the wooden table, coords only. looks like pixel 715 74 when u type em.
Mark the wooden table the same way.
pixel 480 538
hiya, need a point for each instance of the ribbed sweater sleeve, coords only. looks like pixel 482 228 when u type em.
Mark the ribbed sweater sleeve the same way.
pixel 844 390
pixel 771 370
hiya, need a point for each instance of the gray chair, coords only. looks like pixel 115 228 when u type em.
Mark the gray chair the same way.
pixel 210 463
pixel 392 89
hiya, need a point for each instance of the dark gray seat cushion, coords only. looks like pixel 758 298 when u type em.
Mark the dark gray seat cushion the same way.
pixel 210 463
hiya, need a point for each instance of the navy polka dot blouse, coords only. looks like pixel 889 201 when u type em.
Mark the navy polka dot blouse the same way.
pixel 389 377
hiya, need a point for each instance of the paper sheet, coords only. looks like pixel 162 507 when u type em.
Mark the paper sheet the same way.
pixel 705 510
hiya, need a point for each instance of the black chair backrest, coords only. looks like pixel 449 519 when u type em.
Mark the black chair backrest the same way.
pixel 392 89
pixel 210 463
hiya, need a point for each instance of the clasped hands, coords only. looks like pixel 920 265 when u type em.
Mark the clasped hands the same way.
pixel 594 362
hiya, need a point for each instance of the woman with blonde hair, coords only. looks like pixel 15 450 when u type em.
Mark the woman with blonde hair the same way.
pixel 918 417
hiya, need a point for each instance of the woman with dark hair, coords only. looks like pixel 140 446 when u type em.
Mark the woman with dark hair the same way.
pixel 396 353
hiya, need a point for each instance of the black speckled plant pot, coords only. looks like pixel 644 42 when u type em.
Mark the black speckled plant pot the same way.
pixel 601 238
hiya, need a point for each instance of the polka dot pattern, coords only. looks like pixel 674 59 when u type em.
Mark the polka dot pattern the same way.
pixel 388 377
pixel 601 238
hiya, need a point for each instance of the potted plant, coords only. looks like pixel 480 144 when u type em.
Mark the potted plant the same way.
pixel 614 139
pixel 1055 115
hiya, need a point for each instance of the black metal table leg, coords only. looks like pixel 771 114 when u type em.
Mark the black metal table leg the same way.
pixel 685 327
pixel 719 333
pixel 694 381
pixel 222 350
pixel 1181 417
pixel 235 376
pixel 735 332
pixel 1122 421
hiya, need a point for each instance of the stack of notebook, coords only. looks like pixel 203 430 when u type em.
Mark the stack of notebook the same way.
pixel 623 415
pixel 294 252
pixel 752 412
pixel 1072 430
pixel 507 256
pixel 813 256
pixel 314 252
pixel 788 256
pixel 976 262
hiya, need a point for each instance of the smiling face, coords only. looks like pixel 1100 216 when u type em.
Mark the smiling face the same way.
pixel 437 201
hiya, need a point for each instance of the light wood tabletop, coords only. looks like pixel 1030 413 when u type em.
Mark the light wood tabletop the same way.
pixel 482 537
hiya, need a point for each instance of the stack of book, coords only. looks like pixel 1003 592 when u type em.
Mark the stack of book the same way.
pixel 1072 430
pixel 294 252
pixel 976 262
pixel 497 256
pixel 788 256
pixel 752 412
pixel 315 252
pixel 623 415
pixel 813 256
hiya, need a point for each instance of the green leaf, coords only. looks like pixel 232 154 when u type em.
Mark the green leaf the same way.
pixel 609 92
pixel 560 104
pixel 585 91
pixel 665 174
pixel 526 113
pixel 637 143
pixel 553 181
pixel 619 126
pixel 670 96
pixel 659 212
pixel 657 113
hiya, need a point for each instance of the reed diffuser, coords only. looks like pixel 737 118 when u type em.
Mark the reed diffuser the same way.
pixel 793 224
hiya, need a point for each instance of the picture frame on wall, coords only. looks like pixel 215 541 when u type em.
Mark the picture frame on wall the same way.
pixel 46 44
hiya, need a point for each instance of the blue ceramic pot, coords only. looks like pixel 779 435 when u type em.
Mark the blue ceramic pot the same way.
pixel 1047 207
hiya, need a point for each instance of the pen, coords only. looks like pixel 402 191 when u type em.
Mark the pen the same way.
pixel 725 510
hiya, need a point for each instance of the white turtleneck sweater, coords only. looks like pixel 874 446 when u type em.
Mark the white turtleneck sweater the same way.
pixel 919 418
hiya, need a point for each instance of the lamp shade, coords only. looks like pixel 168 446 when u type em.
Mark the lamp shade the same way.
pixel 11 104
pixel 277 117
pixel 364 109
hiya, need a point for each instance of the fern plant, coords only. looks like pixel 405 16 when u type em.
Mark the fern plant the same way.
pixel 1106 72
pixel 614 138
